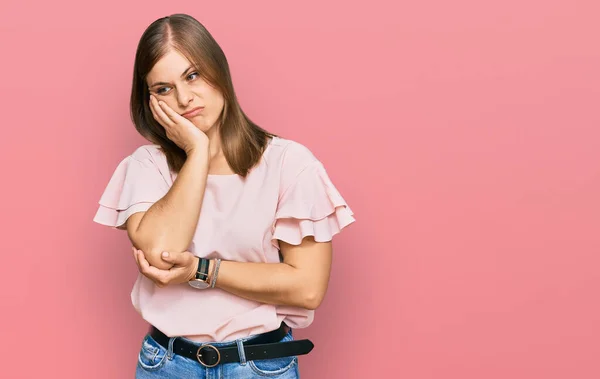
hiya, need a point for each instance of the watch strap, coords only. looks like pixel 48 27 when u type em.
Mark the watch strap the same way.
pixel 202 272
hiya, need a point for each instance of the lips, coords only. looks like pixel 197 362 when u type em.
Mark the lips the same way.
pixel 192 112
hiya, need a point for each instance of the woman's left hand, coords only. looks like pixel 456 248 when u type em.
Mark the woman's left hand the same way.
pixel 184 267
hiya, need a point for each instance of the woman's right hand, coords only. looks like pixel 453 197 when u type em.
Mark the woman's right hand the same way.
pixel 179 129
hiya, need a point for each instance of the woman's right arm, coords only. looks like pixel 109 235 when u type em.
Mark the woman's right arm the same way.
pixel 170 223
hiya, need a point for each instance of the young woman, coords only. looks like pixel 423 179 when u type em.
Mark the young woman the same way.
pixel 231 225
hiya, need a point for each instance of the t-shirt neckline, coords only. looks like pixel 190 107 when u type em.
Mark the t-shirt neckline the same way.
pixel 224 176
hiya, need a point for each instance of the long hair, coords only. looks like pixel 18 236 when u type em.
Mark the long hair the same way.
pixel 243 142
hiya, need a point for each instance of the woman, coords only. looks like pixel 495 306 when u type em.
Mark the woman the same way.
pixel 231 225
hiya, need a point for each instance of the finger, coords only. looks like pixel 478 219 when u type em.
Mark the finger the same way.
pixel 179 259
pixel 169 112
pixel 165 126
pixel 157 275
pixel 144 264
pixel 144 270
pixel 135 256
pixel 154 108
pixel 154 113
pixel 160 112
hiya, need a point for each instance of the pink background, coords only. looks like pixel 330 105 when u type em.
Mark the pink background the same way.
pixel 464 135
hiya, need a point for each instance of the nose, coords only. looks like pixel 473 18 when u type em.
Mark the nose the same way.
pixel 184 96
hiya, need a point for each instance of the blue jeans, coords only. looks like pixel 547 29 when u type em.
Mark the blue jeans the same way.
pixel 155 361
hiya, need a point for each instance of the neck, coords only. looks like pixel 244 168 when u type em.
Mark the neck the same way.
pixel 215 142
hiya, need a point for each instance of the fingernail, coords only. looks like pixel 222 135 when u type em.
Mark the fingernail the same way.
pixel 165 254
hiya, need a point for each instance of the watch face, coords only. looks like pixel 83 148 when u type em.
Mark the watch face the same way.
pixel 199 284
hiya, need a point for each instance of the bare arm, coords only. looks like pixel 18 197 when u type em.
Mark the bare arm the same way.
pixel 170 223
pixel 301 280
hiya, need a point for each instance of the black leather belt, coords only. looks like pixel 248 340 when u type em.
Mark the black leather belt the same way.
pixel 262 346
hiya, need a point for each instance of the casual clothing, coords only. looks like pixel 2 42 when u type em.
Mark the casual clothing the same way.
pixel 287 196
pixel 156 361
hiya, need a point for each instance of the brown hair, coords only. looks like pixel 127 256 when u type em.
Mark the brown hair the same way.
pixel 243 141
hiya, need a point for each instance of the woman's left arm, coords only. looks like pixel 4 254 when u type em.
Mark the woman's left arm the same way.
pixel 300 280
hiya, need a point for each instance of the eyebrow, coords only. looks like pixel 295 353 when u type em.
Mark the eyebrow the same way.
pixel 164 84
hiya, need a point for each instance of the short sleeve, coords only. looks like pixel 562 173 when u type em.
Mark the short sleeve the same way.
pixel 137 183
pixel 310 206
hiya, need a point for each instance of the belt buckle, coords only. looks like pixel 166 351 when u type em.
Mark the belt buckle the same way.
pixel 199 355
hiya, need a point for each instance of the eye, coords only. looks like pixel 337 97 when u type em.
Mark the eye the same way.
pixel 161 90
pixel 192 76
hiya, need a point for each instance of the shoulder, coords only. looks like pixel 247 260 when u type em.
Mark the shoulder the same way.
pixel 292 155
pixel 148 152
pixel 151 160
pixel 293 161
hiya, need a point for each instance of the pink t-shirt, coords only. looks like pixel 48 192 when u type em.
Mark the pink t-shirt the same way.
pixel 287 196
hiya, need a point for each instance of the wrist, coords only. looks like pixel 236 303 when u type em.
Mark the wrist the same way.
pixel 200 150
pixel 211 269
pixel 200 155
pixel 213 272
pixel 200 278
pixel 194 269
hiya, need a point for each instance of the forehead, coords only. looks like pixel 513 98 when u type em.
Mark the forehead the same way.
pixel 170 66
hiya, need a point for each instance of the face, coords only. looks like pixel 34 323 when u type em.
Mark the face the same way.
pixel 175 81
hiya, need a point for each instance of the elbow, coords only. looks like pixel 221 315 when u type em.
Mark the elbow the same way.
pixel 152 244
pixel 152 253
pixel 312 299
pixel 154 258
pixel 308 292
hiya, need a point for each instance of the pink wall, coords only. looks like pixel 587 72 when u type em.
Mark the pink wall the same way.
pixel 463 134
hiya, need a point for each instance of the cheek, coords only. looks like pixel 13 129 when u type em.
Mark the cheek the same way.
pixel 211 95
pixel 170 101
pixel 217 101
